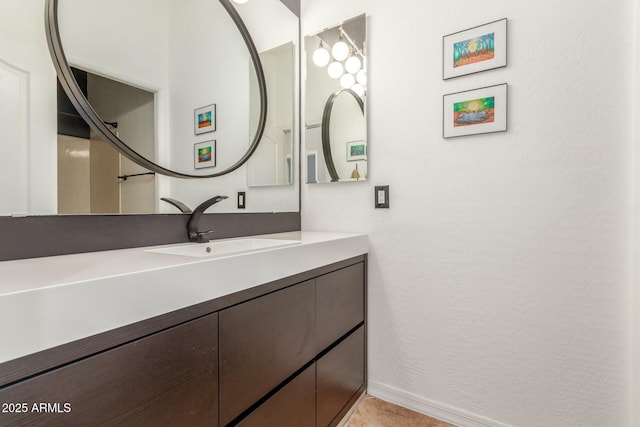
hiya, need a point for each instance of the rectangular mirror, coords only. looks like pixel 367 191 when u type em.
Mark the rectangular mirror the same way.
pixel 272 163
pixel 45 170
pixel 335 115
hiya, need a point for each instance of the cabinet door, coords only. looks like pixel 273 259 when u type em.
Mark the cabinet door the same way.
pixel 340 303
pixel 292 406
pixel 165 379
pixel 340 375
pixel 262 343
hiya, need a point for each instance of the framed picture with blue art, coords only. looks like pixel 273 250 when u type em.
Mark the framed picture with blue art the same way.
pixel 474 50
pixel 476 111
pixel 204 119
pixel 356 150
pixel 204 154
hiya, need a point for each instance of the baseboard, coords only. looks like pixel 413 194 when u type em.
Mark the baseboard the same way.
pixel 428 407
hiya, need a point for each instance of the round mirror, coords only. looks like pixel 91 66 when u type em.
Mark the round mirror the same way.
pixel 168 83
pixel 343 136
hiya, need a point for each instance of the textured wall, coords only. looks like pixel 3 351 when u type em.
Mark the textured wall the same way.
pixel 500 277
pixel 635 298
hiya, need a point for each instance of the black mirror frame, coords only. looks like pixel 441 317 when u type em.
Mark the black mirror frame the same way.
pixel 326 127
pixel 80 102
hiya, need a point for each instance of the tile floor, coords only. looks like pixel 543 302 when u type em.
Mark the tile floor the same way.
pixel 373 412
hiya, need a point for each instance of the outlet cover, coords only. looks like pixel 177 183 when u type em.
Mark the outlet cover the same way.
pixel 381 197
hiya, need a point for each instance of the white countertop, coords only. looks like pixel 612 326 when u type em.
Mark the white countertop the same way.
pixel 45 302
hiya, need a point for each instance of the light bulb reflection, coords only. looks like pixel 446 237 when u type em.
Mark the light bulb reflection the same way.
pixel 353 64
pixel 340 51
pixel 359 89
pixel 321 57
pixel 347 81
pixel 361 77
pixel 335 70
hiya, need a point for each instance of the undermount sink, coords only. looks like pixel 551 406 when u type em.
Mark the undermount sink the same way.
pixel 223 247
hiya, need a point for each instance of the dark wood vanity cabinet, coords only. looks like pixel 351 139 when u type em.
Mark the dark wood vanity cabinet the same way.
pixel 339 304
pixel 267 340
pixel 166 379
pixel 294 405
pixel 287 353
pixel 340 375
pixel 262 343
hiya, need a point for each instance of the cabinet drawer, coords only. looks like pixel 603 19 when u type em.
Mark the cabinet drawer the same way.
pixel 165 379
pixel 340 374
pixel 340 304
pixel 293 406
pixel 262 343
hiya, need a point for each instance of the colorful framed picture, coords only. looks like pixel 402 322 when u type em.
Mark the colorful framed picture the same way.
pixel 474 50
pixel 204 119
pixel 356 150
pixel 204 154
pixel 475 111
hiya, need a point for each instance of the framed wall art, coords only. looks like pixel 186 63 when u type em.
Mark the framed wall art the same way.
pixel 476 111
pixel 204 119
pixel 474 50
pixel 356 150
pixel 204 154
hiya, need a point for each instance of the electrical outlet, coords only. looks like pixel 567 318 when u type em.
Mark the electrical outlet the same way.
pixel 242 200
pixel 382 196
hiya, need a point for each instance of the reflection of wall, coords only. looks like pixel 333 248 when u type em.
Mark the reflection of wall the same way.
pixel 14 100
pixel 133 110
pixel 313 143
pixel 320 86
pixel 499 279
pixel 74 170
pixel 347 125
pixel 208 66
pixel 87 177
pixel 105 188
pixel 24 47
pixel 268 164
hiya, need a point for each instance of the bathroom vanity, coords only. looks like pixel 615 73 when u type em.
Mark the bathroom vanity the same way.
pixel 221 347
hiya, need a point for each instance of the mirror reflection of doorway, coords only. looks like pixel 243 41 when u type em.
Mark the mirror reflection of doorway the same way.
pixel 90 171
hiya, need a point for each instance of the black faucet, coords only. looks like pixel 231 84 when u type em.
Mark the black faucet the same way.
pixel 178 204
pixel 195 235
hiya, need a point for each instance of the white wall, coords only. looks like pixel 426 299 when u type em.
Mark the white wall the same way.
pixel 499 280
pixel 635 292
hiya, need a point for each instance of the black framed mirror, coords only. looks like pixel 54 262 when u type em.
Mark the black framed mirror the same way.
pixel 334 136
pixel 186 162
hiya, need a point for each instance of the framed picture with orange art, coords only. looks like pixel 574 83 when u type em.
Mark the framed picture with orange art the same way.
pixel 204 119
pixel 476 111
pixel 474 50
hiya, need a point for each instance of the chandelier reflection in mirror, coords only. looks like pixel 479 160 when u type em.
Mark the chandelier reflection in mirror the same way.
pixel 344 58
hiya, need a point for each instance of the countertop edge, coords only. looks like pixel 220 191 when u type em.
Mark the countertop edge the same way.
pixel 51 316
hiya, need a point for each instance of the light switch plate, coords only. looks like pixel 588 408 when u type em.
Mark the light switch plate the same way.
pixel 242 200
pixel 381 197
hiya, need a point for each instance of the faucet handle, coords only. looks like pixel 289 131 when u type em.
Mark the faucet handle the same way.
pixel 201 236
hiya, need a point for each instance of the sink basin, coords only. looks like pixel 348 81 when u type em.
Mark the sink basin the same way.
pixel 223 247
